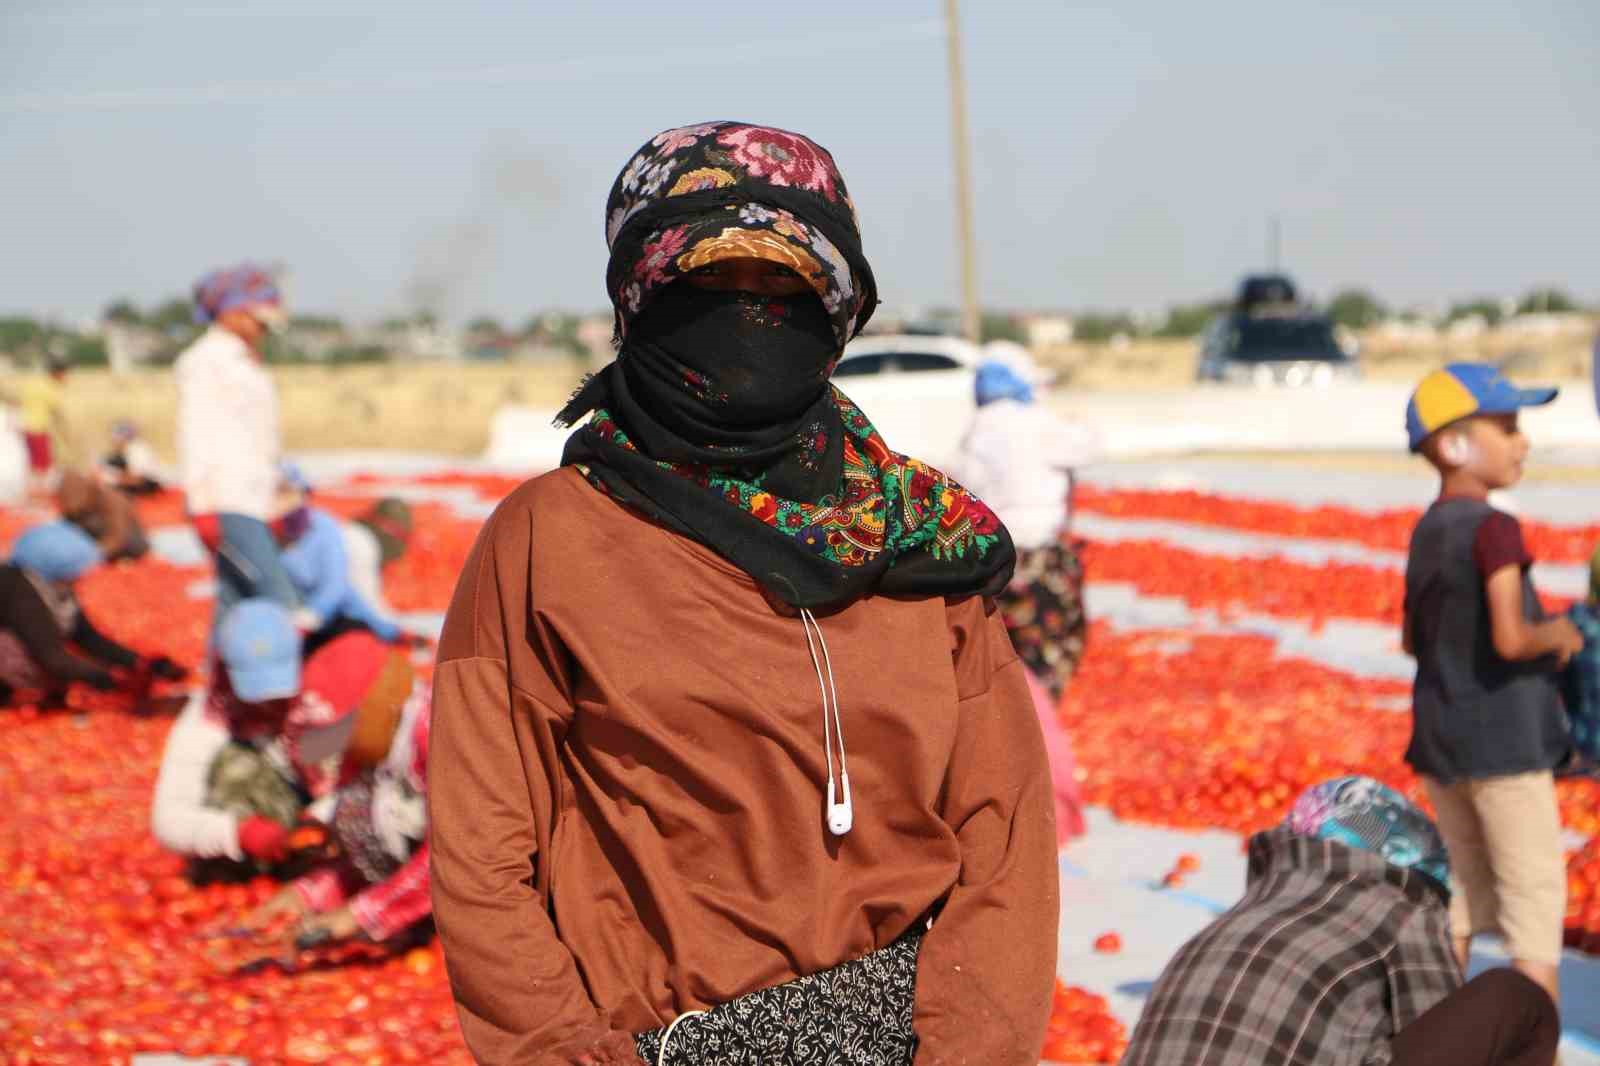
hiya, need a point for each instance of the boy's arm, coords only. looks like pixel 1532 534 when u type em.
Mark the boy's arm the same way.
pixel 1515 638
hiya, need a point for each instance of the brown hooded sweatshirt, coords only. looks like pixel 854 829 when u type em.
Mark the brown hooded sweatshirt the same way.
pixel 102 512
pixel 627 784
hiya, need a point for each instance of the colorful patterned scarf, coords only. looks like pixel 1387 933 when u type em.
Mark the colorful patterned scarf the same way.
pixel 233 288
pixel 1360 812
pixel 790 482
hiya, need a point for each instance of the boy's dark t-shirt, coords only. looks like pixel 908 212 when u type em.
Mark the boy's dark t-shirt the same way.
pixel 1474 714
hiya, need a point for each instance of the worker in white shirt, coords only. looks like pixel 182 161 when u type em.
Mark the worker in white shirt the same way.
pixel 228 448
pixel 1019 458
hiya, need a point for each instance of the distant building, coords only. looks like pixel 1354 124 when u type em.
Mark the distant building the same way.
pixel 129 345
pixel 594 333
pixel 1548 324
pixel 419 341
pixel 1047 330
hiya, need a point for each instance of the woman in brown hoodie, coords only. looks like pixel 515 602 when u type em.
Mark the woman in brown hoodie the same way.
pixel 732 759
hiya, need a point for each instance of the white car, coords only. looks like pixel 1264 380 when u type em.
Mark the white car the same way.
pixel 917 390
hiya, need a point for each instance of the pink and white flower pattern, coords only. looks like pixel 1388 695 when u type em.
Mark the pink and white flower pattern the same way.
pixel 669 142
pixel 780 158
pixel 659 252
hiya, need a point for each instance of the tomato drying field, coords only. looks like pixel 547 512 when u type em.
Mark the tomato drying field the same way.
pixel 1190 731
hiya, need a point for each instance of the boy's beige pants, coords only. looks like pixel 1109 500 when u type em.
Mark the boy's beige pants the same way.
pixel 1507 869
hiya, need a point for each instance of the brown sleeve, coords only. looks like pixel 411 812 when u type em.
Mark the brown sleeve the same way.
pixel 987 967
pixel 493 795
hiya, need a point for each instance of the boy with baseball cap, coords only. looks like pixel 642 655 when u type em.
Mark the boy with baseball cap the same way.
pixel 1487 720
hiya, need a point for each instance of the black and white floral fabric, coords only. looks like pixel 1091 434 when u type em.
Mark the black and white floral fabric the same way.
pixel 857 1014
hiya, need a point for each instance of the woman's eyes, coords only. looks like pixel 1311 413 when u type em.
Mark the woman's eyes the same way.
pixel 773 270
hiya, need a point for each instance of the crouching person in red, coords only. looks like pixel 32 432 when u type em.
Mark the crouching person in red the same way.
pixel 377 886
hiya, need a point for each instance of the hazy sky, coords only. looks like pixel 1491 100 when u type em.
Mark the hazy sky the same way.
pixel 1124 155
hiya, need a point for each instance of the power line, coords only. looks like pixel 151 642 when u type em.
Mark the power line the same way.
pixel 740 54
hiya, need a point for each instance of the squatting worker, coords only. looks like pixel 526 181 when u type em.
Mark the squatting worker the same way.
pixel 228 434
pixel 723 704
pixel 1339 954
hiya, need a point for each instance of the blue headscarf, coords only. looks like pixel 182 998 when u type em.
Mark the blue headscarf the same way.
pixel 997 381
pixel 56 551
pixel 1360 812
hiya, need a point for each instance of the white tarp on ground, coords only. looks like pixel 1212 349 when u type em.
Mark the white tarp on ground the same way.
pixel 1366 416
pixel 523 438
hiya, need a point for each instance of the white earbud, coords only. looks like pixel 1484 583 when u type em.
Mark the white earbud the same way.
pixel 841 816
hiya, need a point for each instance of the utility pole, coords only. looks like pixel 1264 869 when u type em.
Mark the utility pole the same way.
pixel 958 134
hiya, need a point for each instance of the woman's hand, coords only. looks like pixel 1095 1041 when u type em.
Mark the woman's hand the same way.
pixel 286 903
pixel 165 669
pixel 336 925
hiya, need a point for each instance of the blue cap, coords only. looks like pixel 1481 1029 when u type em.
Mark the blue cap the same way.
pixel 260 646
pixel 291 475
pixel 1461 390
pixel 998 381
pixel 56 551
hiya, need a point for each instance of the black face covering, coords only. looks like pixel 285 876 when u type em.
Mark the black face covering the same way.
pixel 715 366
pixel 717 419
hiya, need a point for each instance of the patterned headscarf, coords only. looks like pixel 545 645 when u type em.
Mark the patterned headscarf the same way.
pixel 233 288
pixel 729 190
pixel 1363 813
pixel 806 497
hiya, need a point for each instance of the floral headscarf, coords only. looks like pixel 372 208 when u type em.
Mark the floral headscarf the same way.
pixel 1363 813
pixel 804 496
pixel 730 190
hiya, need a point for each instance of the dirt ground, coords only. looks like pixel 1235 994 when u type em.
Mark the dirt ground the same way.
pixel 439 408
pixel 1562 356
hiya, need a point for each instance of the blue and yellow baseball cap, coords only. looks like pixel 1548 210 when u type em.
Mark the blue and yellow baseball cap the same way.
pixel 1463 389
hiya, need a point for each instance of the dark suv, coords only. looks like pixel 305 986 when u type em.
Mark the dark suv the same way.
pixel 1270 338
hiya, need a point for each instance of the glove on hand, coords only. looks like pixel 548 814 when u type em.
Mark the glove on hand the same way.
pixel 263 839
pixel 165 669
pixel 208 527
